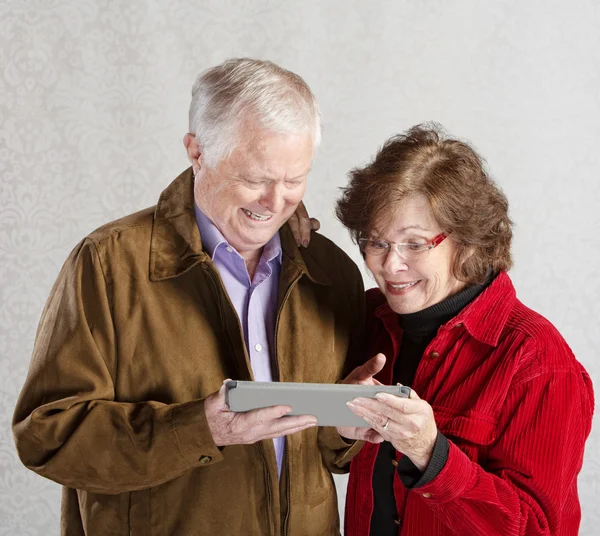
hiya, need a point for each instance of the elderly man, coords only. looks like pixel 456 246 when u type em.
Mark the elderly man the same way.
pixel 124 402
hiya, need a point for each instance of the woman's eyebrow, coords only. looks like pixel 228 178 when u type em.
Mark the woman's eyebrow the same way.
pixel 412 227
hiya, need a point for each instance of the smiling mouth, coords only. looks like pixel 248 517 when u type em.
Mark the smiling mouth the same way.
pixel 402 288
pixel 256 217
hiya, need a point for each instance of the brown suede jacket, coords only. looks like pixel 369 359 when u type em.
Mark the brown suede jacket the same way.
pixel 137 331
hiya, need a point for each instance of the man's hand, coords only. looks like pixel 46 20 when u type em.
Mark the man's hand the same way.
pixel 230 428
pixel 301 225
pixel 363 375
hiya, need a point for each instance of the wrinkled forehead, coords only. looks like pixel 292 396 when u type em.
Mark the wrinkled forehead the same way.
pixel 268 153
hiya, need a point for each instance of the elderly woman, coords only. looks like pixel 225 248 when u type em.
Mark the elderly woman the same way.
pixel 492 438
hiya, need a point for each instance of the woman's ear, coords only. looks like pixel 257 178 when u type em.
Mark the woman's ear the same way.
pixel 193 150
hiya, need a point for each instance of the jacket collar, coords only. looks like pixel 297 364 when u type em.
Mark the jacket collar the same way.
pixel 176 245
pixel 484 318
pixel 300 260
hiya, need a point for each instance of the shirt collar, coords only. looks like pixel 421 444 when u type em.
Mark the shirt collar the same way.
pixel 212 238
pixel 176 245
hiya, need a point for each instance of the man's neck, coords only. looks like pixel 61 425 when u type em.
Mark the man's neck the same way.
pixel 252 258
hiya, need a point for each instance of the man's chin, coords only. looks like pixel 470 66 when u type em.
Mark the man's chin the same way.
pixel 252 241
pixel 263 229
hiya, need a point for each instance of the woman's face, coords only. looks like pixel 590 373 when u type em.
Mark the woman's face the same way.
pixel 412 285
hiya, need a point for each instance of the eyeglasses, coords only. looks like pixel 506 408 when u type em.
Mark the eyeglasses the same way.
pixel 408 250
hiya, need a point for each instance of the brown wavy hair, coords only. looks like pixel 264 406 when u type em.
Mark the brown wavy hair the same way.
pixel 464 200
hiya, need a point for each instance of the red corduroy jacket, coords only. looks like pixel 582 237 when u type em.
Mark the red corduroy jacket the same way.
pixel 516 406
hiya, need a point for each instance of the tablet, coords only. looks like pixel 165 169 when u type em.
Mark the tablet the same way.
pixel 326 401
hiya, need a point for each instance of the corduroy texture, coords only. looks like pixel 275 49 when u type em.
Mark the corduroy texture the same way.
pixel 516 407
pixel 419 329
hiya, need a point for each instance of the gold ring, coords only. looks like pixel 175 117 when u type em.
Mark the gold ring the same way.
pixel 385 426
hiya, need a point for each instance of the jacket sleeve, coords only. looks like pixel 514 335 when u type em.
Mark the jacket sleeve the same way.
pixel 337 451
pixel 531 469
pixel 68 426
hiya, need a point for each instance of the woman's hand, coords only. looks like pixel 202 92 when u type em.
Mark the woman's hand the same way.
pixel 302 225
pixel 364 375
pixel 407 423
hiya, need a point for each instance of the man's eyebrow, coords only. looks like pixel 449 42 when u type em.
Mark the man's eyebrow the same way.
pixel 252 176
pixel 301 175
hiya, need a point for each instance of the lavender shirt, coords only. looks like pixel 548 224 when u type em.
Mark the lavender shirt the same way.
pixel 255 301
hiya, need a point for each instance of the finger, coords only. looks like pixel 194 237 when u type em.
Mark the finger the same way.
pixel 287 432
pixel 315 224
pixel 301 211
pixel 374 436
pixel 404 405
pixel 287 425
pixel 378 415
pixel 366 372
pixel 399 406
pixel 348 432
pixel 221 404
pixel 265 415
pixel 305 231
pixel 374 365
pixel 413 395
pixel 372 404
pixel 371 413
pixel 304 224
pixel 376 421
pixel 294 224
pixel 370 435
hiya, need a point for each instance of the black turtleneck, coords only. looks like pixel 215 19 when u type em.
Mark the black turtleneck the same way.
pixel 418 330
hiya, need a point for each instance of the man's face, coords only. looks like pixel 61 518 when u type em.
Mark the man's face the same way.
pixel 252 193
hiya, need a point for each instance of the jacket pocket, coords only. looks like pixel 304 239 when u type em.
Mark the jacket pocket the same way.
pixel 472 433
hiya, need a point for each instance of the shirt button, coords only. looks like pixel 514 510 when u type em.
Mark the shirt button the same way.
pixel 395 463
pixel 426 495
pixel 434 354
pixel 258 347
pixel 459 325
pixel 229 249
pixel 398 522
pixel 205 459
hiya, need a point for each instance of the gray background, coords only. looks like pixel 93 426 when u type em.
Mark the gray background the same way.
pixel 93 107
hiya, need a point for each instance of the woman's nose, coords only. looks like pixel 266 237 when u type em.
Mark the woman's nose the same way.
pixel 394 262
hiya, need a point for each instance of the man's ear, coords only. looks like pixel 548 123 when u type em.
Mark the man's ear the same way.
pixel 193 150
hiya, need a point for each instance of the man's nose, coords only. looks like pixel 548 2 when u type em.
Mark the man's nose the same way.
pixel 273 198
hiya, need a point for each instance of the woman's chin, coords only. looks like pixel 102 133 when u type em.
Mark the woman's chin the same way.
pixel 404 307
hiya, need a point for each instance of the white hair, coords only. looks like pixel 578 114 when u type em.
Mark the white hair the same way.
pixel 246 89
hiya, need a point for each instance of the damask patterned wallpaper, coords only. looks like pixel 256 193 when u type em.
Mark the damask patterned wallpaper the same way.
pixel 93 107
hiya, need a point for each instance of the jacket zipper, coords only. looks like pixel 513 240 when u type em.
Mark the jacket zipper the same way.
pixel 216 279
pixel 288 487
